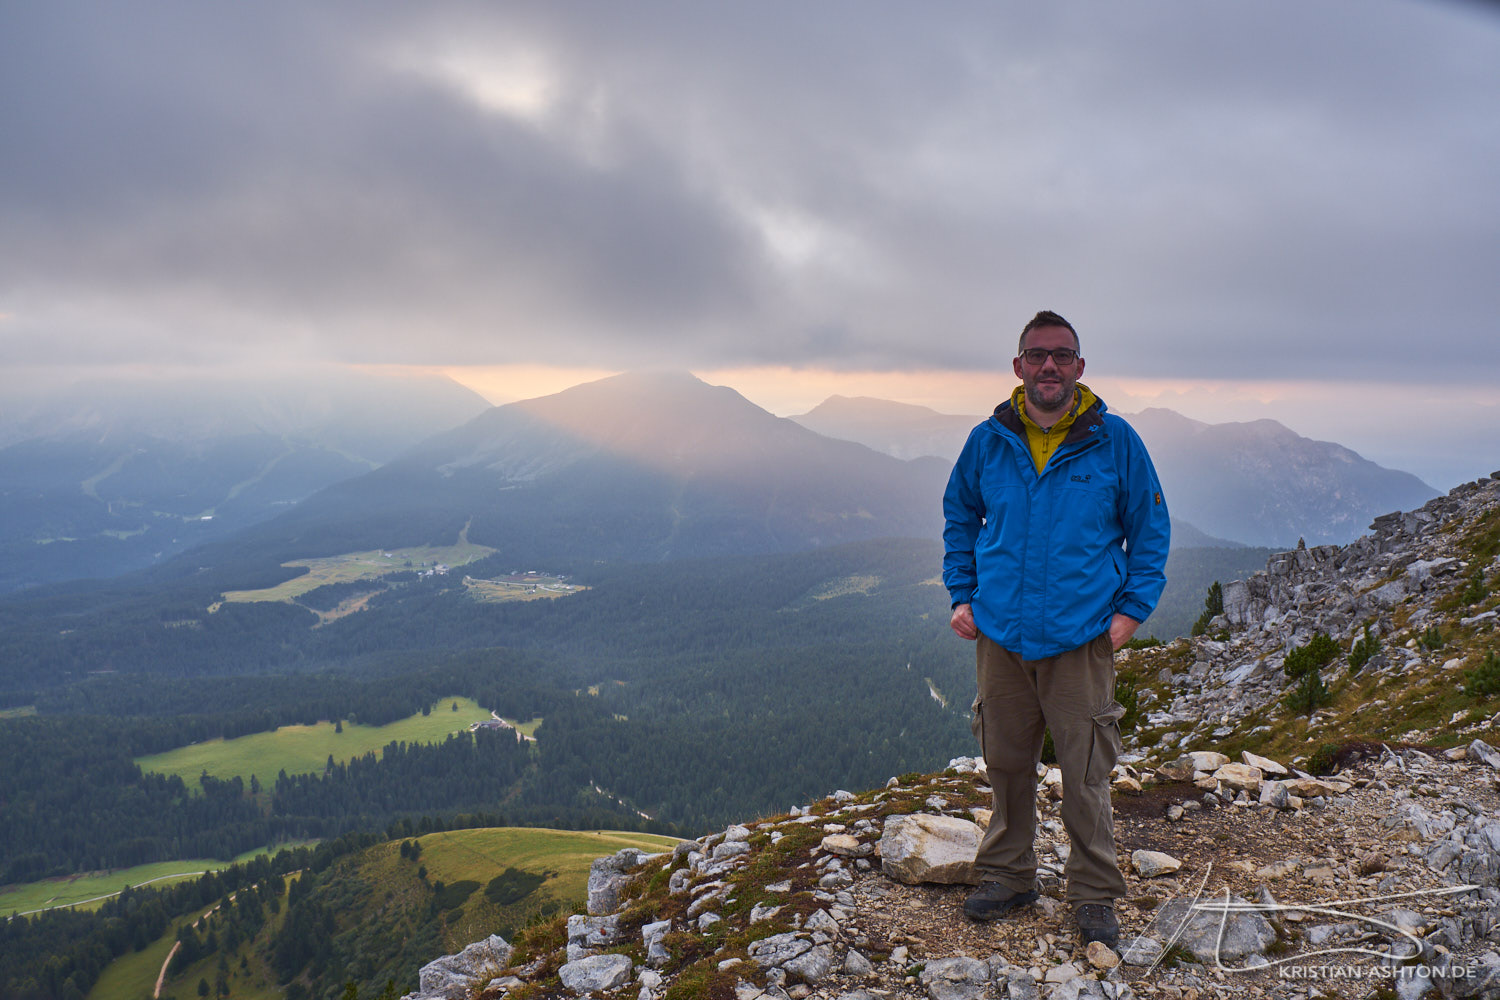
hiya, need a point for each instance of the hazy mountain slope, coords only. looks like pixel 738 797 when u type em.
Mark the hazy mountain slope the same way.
pixel 898 429
pixel 100 479
pixel 636 467
pixel 1264 484
pixel 1255 483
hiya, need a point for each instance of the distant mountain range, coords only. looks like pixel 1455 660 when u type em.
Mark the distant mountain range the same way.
pixel 637 467
pixel 1255 483
pixel 101 479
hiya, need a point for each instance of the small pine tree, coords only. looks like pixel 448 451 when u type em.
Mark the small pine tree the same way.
pixel 1128 694
pixel 1364 647
pixel 1213 606
pixel 1432 640
pixel 1317 654
pixel 1308 694
pixel 1476 591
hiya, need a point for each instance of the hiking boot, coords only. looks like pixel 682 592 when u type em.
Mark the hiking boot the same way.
pixel 1096 922
pixel 992 899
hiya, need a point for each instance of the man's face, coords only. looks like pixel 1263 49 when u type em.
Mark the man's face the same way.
pixel 1049 386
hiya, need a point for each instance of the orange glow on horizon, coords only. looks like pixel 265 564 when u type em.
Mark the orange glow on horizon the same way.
pixel 787 391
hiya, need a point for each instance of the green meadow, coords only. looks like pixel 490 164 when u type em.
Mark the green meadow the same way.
pixel 132 976
pixel 468 860
pixel 305 749
pixel 87 890
pixel 479 855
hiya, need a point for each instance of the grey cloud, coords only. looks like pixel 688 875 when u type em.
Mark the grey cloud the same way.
pixel 1209 190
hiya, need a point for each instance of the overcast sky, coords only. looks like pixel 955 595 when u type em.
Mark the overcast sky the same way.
pixel 1285 208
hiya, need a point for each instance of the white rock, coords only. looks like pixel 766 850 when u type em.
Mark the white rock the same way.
pixel 1263 764
pixel 1207 760
pixel 1149 864
pixel 846 846
pixel 1062 973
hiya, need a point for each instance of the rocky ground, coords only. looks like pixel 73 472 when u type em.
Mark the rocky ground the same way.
pixel 789 907
pixel 1246 877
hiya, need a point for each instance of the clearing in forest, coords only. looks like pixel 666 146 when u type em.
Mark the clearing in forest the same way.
pixel 365 566
pixel 306 749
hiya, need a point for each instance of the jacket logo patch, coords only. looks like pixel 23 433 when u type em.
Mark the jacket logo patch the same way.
pixel 1158 499
pixel 1086 478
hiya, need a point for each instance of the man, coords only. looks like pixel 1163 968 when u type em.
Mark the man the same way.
pixel 1056 545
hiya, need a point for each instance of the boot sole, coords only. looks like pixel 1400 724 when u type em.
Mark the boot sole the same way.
pixel 1001 909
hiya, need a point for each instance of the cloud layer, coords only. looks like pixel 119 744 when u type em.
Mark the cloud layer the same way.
pixel 1284 189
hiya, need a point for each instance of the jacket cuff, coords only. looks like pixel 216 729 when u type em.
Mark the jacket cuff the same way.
pixel 1134 609
pixel 960 597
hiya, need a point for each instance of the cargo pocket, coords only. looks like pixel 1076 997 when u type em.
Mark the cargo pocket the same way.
pixel 1105 748
pixel 976 723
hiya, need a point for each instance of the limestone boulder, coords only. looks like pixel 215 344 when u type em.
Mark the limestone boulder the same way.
pixel 924 848
pixel 454 976
pixel 596 974
pixel 1207 760
pixel 1240 777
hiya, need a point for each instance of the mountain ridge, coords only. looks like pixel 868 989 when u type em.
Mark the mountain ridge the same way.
pixel 1254 483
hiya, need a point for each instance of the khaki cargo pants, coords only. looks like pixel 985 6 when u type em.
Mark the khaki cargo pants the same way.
pixel 1073 695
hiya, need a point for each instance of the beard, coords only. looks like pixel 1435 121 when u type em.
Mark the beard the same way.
pixel 1050 396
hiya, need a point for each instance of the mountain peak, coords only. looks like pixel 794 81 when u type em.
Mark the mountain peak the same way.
pixel 868 408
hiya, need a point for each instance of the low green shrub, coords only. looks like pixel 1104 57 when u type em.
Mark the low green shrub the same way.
pixel 1323 758
pixel 1484 680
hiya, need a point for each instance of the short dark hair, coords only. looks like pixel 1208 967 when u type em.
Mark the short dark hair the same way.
pixel 1047 318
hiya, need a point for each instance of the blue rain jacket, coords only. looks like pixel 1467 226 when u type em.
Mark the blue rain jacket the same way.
pixel 1047 559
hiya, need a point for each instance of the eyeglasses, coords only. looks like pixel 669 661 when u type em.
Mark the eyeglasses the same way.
pixel 1037 356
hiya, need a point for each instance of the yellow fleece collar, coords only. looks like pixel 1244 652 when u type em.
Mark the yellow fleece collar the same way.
pixel 1043 442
